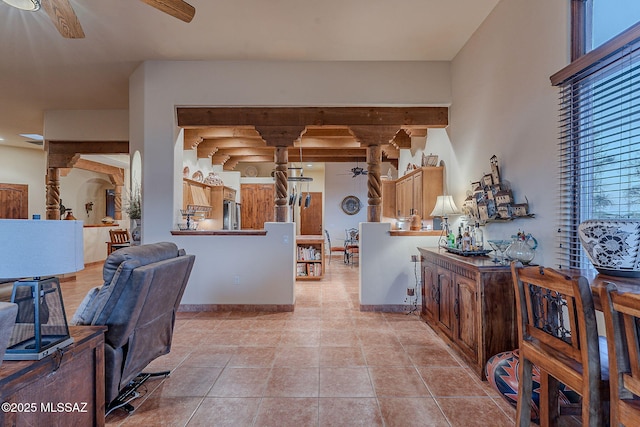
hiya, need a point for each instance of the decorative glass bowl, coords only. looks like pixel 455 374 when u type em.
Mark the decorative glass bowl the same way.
pixel 612 245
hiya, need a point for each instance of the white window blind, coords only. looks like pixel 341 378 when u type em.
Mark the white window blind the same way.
pixel 599 149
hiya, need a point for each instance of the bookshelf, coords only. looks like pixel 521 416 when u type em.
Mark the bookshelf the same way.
pixel 309 257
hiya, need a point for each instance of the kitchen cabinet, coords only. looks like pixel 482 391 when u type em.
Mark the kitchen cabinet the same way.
pixel 196 193
pixel 470 303
pixel 389 198
pixel 258 205
pixel 419 190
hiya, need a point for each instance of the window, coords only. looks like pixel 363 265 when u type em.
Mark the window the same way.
pixel 609 18
pixel 599 139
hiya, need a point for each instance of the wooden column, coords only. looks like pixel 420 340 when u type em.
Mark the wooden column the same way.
pixel 374 184
pixel 373 137
pixel 53 193
pixel 282 160
pixel 280 137
pixel 117 201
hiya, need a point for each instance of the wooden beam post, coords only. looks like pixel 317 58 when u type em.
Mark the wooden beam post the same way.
pixel 373 137
pixel 281 157
pixel 281 137
pixel 53 193
pixel 374 184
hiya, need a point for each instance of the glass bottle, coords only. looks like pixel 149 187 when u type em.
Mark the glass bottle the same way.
pixel 478 237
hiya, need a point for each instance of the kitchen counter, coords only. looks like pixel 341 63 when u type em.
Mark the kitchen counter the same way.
pixel 415 233
pixel 218 232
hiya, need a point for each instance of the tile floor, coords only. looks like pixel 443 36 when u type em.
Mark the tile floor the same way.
pixel 325 364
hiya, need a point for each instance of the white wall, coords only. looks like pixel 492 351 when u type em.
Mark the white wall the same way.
pixel 386 270
pixel 504 104
pixel 155 91
pixel 26 166
pixel 240 269
pixel 340 184
pixel 86 125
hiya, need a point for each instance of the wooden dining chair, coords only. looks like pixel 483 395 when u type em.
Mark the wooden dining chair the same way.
pixel 557 332
pixel 351 245
pixel 119 239
pixel 332 249
pixel 623 329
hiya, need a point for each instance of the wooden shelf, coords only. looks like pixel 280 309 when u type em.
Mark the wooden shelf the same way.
pixel 308 266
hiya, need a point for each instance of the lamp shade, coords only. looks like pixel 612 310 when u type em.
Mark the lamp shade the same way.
pixel 37 248
pixel 445 206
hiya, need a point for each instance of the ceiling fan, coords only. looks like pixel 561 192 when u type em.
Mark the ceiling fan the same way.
pixel 356 171
pixel 67 23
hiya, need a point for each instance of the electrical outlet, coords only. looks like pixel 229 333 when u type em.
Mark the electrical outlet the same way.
pixel 285 239
pixel 236 280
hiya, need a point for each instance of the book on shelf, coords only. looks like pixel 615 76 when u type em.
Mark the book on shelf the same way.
pixel 310 253
pixel 301 269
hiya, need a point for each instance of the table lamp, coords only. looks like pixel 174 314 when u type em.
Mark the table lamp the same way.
pixel 444 207
pixel 33 251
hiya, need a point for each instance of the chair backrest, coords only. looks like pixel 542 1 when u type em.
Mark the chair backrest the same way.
pixel 556 313
pixel 119 236
pixel 624 309
pixel 352 234
pixel 143 286
pixel 326 233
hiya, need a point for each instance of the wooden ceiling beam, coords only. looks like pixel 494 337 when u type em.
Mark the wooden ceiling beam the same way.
pixel 313 116
pixel 63 154
pixel 401 139
pixel 338 142
pixel 116 175
pixel 327 132
pixel 390 151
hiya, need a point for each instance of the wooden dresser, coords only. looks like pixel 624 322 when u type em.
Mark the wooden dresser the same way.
pixel 470 303
pixel 57 391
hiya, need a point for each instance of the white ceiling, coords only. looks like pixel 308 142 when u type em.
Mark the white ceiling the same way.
pixel 40 70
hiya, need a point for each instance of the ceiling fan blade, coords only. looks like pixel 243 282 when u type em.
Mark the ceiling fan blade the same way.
pixel 64 18
pixel 176 8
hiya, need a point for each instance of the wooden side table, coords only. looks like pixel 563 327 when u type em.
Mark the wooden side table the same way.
pixel 65 388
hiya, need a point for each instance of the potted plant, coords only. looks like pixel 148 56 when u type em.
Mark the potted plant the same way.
pixel 134 211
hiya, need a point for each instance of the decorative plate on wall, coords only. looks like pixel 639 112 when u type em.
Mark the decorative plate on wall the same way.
pixel 350 205
pixel 197 176
pixel 251 171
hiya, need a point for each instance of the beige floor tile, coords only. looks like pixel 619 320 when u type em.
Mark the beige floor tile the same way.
pixel 287 412
pixel 386 356
pixel 188 381
pixel 473 412
pixel 210 356
pixel 339 338
pixel 297 357
pixel 241 382
pixel 397 382
pixel 225 412
pixel 451 381
pixel 411 412
pixel 341 356
pixel 434 355
pixel 300 338
pixel 345 411
pixel 163 412
pixel 345 382
pixel 293 382
pixel 246 357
